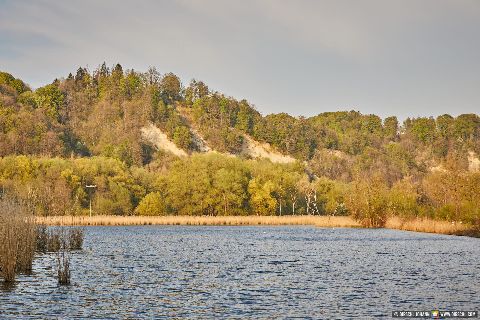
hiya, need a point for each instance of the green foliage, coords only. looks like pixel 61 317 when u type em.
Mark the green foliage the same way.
pixel 262 200
pixel 28 98
pixel 331 196
pixel 8 80
pixel 210 184
pixel 404 199
pixel 196 90
pixel 367 201
pixel 390 125
pixel 287 134
pixel 51 99
pixel 171 88
pixel 182 137
pixel 467 127
pixel 152 204
pixel 422 129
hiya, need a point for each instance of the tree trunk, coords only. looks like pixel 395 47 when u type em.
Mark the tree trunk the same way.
pixel 225 204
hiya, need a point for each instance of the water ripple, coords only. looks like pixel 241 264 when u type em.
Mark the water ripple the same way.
pixel 239 272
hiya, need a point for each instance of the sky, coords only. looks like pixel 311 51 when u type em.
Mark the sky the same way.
pixel 406 58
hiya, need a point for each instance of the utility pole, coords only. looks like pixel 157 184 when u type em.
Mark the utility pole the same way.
pixel 90 187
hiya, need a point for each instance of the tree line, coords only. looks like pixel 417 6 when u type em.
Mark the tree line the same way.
pixel 215 184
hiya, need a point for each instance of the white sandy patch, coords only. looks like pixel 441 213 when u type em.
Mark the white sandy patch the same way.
pixel 256 149
pixel 473 162
pixel 155 136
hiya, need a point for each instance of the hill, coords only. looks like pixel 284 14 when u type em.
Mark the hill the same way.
pixel 151 123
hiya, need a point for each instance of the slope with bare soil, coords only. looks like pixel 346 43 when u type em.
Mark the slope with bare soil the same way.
pixel 155 136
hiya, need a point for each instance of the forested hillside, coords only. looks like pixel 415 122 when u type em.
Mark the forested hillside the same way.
pixel 89 128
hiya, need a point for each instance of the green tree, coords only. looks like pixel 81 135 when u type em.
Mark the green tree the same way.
pixel 367 202
pixel 182 137
pixel 51 99
pixel 153 204
pixel 390 125
pixel 261 197
pixel 171 88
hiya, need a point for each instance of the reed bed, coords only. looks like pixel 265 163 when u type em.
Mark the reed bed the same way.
pixel 21 237
pixel 63 255
pixel 417 224
pixel 63 267
pixel 430 226
pixel 56 239
pixel 17 239
pixel 319 221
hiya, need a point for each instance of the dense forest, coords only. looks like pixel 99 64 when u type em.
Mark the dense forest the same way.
pixel 86 129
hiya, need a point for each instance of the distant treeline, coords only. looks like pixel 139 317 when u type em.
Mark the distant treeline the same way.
pixel 215 184
pixel 86 129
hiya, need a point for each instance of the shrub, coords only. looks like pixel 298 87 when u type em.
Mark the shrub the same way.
pixel 368 203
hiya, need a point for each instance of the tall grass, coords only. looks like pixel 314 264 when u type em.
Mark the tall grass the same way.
pixel 56 239
pixel 26 244
pixel 320 221
pixel 430 226
pixel 17 239
pixel 416 224
pixel 21 237
pixel 63 256
pixel 63 267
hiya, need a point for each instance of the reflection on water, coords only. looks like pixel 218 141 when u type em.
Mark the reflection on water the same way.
pixel 251 272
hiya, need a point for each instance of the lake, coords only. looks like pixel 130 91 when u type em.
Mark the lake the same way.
pixel 251 272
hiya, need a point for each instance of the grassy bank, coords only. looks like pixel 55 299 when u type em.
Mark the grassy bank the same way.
pixel 418 225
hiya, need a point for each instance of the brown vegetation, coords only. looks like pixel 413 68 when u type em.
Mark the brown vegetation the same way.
pixel 432 226
pixel 20 237
pixel 63 267
pixel 57 239
pixel 17 239
pixel 320 221
pixel 410 224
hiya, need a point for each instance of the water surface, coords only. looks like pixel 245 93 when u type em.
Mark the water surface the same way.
pixel 251 272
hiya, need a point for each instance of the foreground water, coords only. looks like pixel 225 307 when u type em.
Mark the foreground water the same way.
pixel 251 272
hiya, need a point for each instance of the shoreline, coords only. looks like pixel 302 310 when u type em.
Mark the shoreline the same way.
pixel 415 225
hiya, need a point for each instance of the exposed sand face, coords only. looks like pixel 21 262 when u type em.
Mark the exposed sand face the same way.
pixel 155 136
pixel 256 149
pixel 473 162
pixel 250 148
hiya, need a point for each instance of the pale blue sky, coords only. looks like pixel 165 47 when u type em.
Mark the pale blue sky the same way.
pixel 404 58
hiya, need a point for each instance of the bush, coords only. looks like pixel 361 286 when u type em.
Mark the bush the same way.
pixel 367 202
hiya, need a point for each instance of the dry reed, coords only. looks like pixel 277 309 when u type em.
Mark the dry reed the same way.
pixel 75 238
pixel 26 244
pixel 42 238
pixel 17 239
pixel 8 246
pixel 20 237
pixel 54 239
pixel 418 224
pixel 63 266
pixel 428 225
pixel 319 221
